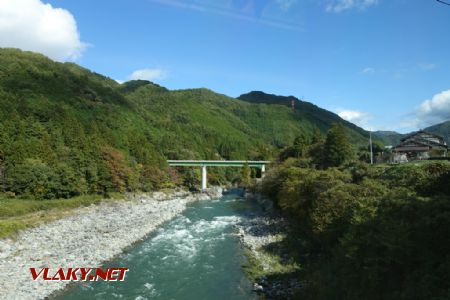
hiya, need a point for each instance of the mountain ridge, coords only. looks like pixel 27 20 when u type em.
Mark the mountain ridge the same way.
pixel 393 137
pixel 322 117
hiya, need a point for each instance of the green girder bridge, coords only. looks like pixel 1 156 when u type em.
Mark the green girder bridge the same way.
pixel 261 164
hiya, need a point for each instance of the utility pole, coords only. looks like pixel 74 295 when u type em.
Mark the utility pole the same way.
pixel 448 139
pixel 371 152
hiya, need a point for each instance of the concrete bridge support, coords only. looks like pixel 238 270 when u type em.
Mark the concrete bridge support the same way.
pixel 218 163
pixel 204 178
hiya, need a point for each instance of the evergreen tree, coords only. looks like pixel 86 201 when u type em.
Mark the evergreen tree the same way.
pixel 300 145
pixel 338 149
pixel 317 137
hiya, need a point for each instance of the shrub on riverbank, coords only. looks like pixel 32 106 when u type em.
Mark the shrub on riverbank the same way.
pixel 372 232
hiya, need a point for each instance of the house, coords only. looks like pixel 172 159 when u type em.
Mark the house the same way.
pixel 420 145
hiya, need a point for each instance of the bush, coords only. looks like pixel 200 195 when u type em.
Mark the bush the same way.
pixel 32 178
pixel 437 181
pixel 338 208
pixel 430 178
pixel 275 177
pixel 371 232
pixel 399 253
pixel 68 183
pixel 153 178
pixel 359 171
pixel 302 188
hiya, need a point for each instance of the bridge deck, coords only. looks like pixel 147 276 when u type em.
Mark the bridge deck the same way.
pixel 217 163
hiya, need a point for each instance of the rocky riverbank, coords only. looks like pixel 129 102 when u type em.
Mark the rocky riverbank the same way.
pixel 269 265
pixel 89 237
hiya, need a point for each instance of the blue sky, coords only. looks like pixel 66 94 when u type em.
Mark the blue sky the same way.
pixel 384 64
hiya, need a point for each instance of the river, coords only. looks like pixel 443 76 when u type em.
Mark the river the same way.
pixel 195 256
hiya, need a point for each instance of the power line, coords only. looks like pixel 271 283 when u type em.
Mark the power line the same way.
pixel 443 2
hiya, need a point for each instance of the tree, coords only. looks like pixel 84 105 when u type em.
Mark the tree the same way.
pixel 338 149
pixel 68 183
pixel 191 178
pixel 298 149
pixel 118 168
pixel 300 145
pixel 32 178
pixel 317 137
pixel 377 147
pixel 246 175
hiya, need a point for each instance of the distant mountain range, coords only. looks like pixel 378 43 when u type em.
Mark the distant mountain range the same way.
pixel 393 138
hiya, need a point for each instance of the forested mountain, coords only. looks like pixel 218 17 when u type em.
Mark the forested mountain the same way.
pixel 389 137
pixel 65 130
pixel 320 117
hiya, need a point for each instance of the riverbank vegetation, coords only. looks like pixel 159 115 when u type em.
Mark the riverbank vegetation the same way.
pixel 18 214
pixel 365 232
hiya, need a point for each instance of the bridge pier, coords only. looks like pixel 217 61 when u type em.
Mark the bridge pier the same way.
pixel 219 163
pixel 204 178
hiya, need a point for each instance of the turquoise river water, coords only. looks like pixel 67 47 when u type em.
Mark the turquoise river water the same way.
pixel 195 256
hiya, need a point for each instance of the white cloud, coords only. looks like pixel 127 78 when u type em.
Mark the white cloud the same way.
pixel 149 74
pixel 285 4
pixel 426 66
pixel 356 117
pixel 433 111
pixel 338 6
pixel 34 26
pixel 368 70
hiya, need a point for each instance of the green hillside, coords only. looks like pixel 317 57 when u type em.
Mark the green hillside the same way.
pixel 442 129
pixel 321 118
pixel 389 137
pixel 66 131
pixel 199 123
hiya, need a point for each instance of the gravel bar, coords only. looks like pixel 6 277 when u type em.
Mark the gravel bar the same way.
pixel 88 238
